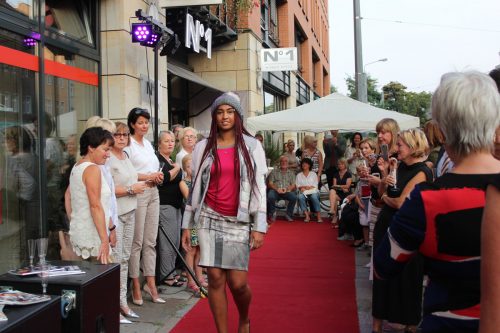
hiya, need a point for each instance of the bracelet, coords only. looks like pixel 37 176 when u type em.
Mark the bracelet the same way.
pixel 130 191
pixel 112 228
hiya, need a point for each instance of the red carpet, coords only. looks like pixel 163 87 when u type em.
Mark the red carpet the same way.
pixel 302 281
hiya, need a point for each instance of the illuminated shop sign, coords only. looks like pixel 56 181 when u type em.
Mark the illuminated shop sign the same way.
pixel 194 32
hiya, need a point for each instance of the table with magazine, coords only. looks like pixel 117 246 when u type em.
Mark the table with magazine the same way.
pixel 26 312
pixel 55 270
pixel 91 307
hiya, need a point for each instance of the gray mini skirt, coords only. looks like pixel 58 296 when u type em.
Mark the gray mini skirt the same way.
pixel 224 242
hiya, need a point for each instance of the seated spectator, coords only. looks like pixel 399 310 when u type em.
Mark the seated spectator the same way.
pixel 340 189
pixel 307 182
pixel 281 185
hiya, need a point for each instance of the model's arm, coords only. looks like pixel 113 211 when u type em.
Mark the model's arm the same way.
pixel 490 268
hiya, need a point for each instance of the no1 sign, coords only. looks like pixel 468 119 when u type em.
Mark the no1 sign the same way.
pixel 280 59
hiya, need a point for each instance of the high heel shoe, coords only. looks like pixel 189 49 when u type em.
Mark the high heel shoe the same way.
pixel 138 302
pixel 129 313
pixel 153 299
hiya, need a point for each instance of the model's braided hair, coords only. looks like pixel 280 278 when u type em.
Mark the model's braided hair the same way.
pixel 239 144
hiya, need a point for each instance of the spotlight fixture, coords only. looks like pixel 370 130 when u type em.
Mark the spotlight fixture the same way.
pixel 142 32
pixel 31 39
pixel 152 41
pixel 29 42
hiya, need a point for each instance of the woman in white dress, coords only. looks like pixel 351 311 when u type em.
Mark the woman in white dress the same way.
pixel 90 197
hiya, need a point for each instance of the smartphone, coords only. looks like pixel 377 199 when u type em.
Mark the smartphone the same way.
pixel 384 152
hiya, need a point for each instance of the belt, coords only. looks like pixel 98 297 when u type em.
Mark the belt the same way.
pixel 377 202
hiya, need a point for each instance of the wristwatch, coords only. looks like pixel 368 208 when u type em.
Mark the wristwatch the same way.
pixel 130 191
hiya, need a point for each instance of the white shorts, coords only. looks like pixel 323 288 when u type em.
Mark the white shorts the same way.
pixel 364 216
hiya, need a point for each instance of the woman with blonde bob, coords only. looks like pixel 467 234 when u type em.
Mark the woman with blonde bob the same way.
pixel 442 220
pixel 398 299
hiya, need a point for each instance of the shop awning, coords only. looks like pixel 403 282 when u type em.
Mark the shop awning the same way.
pixel 190 76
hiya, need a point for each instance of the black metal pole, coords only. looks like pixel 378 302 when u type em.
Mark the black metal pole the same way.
pixel 156 122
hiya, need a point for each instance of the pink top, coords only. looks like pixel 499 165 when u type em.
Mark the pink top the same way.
pixel 223 193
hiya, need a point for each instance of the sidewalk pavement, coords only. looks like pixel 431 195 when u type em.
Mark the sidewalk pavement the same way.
pixel 156 318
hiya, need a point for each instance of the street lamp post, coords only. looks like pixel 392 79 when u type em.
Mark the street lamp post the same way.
pixel 363 95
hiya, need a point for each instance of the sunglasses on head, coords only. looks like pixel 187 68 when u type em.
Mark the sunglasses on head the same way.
pixel 141 112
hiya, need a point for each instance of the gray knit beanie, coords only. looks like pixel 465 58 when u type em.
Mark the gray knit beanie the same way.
pixel 228 98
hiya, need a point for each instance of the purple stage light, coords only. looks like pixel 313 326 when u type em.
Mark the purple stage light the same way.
pixel 152 41
pixel 141 32
pixel 29 42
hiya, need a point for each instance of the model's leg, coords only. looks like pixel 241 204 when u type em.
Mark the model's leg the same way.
pixel 190 262
pixel 198 271
pixel 217 297
pixel 238 284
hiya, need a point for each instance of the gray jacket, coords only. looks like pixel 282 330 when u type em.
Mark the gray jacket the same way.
pixel 252 199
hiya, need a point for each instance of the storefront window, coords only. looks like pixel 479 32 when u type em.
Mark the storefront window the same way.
pixel 19 164
pixel 70 98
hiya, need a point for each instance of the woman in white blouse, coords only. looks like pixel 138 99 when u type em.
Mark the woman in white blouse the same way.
pixel 126 189
pixel 145 162
pixel 307 183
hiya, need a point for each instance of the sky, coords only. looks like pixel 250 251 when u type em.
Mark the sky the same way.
pixel 422 39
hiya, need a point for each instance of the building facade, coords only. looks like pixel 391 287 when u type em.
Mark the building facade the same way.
pixel 63 61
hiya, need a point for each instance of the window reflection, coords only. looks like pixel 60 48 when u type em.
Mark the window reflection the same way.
pixel 68 104
pixel 70 17
pixel 20 204
pixel 24 7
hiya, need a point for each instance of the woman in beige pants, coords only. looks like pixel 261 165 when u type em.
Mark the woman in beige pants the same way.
pixel 145 162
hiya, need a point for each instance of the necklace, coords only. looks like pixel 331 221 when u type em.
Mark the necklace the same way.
pixel 167 158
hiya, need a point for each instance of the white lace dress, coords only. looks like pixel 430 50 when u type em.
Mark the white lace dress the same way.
pixel 83 233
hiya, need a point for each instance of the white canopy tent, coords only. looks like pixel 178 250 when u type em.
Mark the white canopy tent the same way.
pixel 332 112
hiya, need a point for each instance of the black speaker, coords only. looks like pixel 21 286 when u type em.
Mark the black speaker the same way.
pixel 97 293
pixel 41 317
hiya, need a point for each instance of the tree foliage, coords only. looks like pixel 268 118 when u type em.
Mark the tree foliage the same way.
pixel 395 98
pixel 374 96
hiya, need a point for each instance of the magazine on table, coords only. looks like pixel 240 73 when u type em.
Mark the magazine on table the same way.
pixel 54 270
pixel 9 296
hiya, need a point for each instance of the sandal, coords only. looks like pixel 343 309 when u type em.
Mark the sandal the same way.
pixel 181 278
pixel 194 289
pixel 173 282
pixel 203 282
